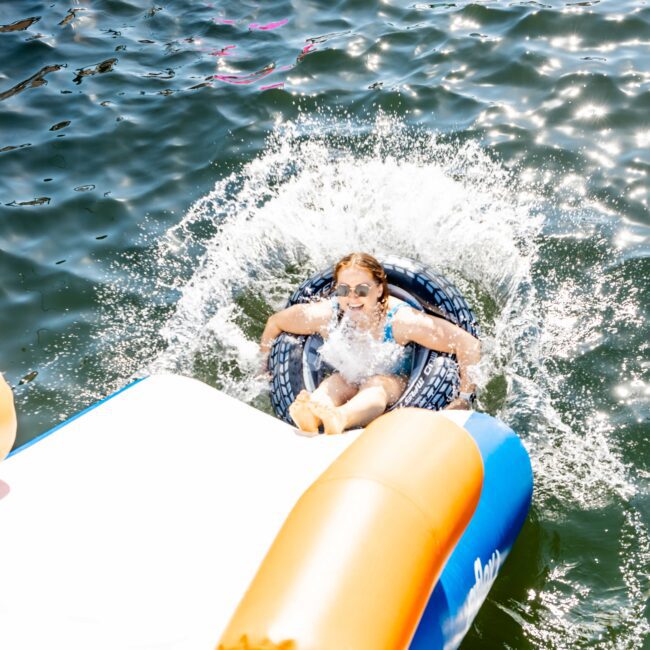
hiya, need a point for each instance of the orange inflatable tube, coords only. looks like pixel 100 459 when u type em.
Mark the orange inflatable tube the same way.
pixel 356 560
pixel 7 418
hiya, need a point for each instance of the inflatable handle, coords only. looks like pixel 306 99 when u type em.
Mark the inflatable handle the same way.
pixel 356 560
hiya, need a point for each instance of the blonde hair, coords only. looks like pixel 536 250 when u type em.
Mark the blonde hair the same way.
pixel 367 263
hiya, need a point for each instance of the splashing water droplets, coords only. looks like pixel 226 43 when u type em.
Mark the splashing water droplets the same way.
pixel 308 200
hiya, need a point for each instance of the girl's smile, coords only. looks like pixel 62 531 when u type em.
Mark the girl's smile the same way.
pixel 356 282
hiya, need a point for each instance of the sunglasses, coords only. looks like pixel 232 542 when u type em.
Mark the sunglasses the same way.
pixel 360 290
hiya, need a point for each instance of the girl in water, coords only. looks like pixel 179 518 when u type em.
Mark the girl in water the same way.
pixel 365 331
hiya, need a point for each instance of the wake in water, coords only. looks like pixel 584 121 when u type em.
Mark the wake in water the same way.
pixel 325 187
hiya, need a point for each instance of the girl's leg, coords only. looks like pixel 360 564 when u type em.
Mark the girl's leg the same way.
pixel 333 391
pixel 370 401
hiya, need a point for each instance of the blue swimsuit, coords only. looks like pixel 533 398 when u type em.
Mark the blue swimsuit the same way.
pixel 404 366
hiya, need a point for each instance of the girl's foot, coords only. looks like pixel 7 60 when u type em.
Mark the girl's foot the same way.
pixel 333 419
pixel 302 414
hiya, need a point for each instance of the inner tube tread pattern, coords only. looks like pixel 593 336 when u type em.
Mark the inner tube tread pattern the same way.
pixel 284 361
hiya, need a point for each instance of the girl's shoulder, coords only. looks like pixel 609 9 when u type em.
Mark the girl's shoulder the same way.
pixel 403 319
pixel 398 308
pixel 324 312
pixel 323 308
pixel 316 312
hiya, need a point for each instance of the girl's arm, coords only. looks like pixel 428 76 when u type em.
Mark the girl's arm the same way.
pixel 310 318
pixel 438 334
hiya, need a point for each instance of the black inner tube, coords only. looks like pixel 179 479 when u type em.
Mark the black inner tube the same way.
pixel 295 363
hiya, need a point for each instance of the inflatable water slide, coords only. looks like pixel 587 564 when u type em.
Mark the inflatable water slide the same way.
pixel 172 516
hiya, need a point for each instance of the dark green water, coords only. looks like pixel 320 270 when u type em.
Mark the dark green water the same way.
pixel 169 172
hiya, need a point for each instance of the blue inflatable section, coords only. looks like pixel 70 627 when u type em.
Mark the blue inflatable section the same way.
pixel 485 544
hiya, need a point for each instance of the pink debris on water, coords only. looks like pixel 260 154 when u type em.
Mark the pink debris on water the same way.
pixel 224 51
pixel 240 79
pixel 306 50
pixel 269 26
pixel 280 84
pixel 224 21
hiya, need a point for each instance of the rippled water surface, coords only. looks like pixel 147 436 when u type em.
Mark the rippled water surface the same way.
pixel 170 172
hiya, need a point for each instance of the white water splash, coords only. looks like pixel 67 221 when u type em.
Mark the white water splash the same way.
pixel 305 202
pixel 357 355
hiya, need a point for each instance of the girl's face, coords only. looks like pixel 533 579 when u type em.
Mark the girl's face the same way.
pixel 358 281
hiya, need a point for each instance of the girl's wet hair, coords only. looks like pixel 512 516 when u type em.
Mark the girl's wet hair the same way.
pixel 367 263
